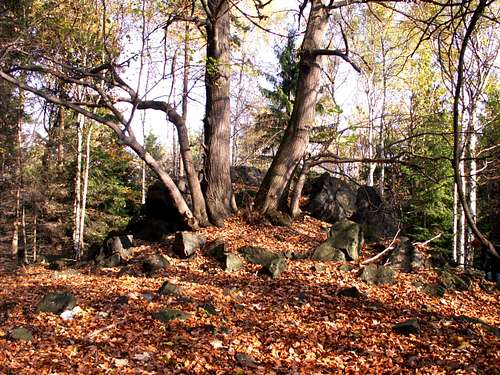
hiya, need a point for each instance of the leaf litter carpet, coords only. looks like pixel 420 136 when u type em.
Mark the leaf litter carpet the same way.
pixel 296 324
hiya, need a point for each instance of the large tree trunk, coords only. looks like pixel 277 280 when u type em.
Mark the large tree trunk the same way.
pixel 217 127
pixel 296 137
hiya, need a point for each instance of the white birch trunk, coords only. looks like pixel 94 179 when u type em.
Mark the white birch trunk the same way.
pixel 461 224
pixel 472 182
pixel 456 204
pixel 78 196
pixel 85 179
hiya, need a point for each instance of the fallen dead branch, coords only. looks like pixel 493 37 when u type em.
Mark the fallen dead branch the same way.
pixel 428 241
pixel 385 251
pixel 92 335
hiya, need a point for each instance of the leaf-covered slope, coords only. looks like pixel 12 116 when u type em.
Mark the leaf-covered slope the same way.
pixel 243 322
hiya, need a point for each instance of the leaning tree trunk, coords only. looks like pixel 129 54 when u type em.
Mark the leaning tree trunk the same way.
pixel 297 191
pixel 296 137
pixel 217 127
pixel 186 160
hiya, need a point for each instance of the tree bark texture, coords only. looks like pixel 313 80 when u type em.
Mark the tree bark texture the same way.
pixel 296 137
pixel 217 126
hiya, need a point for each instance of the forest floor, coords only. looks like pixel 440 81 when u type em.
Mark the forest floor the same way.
pixel 296 324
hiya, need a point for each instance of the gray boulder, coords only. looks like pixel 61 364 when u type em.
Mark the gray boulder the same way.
pixel 115 251
pixel 272 263
pixel 328 252
pixel 347 236
pixel 186 243
pixel 330 199
pixel 377 275
pixel 406 257
pixel 56 303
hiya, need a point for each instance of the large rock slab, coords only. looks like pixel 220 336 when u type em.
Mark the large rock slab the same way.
pixel 347 236
pixel 406 257
pixel 186 243
pixel 330 198
pixel 246 175
pixel 114 251
pixel 374 215
pixel 56 303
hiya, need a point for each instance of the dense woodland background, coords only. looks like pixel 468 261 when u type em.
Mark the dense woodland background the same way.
pixel 254 123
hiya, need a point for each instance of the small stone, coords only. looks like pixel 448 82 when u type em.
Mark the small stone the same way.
pixel 145 356
pixel 103 314
pixel 169 288
pixel 56 303
pixel 121 362
pixel 122 300
pixel 233 262
pixel 377 275
pixel 408 327
pixel 67 315
pixel 352 292
pixel 148 296
pixel 328 252
pixel 346 268
pixel 154 263
pixel 246 360
pixel 186 243
pixel 21 334
pixel 216 344
pixel 434 290
pixel 319 267
pixel 209 309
